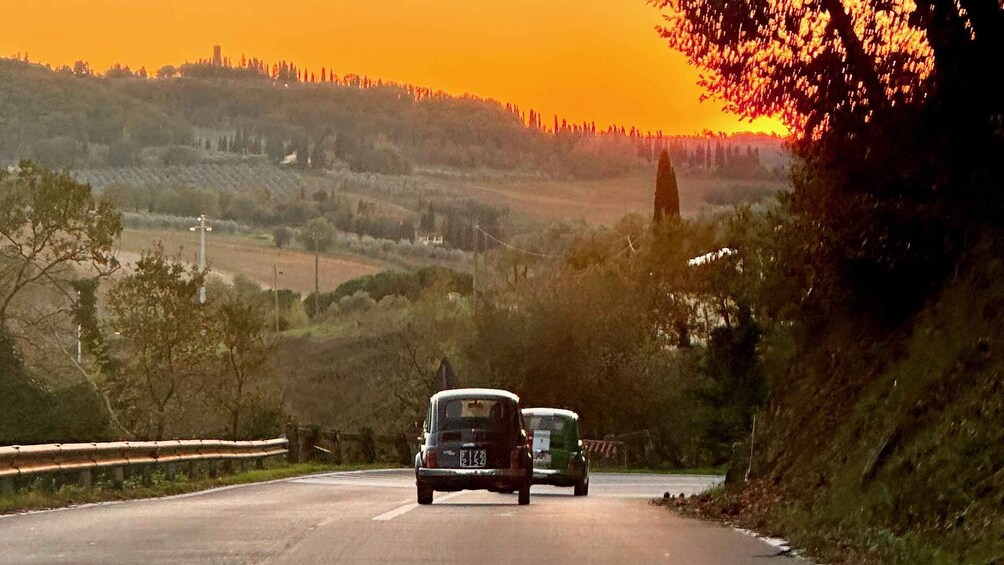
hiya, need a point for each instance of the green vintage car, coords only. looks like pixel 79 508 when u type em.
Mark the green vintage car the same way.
pixel 558 457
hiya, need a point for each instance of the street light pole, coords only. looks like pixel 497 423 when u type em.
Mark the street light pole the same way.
pixel 203 227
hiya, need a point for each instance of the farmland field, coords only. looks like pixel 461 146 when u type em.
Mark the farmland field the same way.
pixel 217 176
pixel 606 201
pixel 230 255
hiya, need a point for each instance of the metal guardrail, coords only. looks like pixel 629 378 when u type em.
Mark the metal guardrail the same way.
pixel 28 460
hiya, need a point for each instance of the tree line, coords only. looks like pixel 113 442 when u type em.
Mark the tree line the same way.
pixel 369 125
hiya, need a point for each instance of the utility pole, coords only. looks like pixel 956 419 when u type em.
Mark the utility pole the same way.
pixel 203 227
pixel 275 290
pixel 80 348
pixel 317 279
pixel 474 281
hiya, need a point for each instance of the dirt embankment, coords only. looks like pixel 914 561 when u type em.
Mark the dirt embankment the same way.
pixel 886 450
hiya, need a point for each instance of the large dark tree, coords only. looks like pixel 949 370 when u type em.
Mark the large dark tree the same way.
pixel 667 194
pixel 900 121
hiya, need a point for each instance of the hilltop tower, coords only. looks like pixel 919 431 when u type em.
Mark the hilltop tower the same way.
pixel 217 56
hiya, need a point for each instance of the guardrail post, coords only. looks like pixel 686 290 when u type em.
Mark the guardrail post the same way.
pixel 169 471
pixel 7 486
pixel 193 470
pixel 293 437
pixel 85 478
pixel 118 477
pixel 46 483
pixel 214 470
pixel 147 475
pixel 259 463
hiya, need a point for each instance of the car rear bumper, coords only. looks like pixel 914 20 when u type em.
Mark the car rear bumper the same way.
pixel 556 477
pixel 466 479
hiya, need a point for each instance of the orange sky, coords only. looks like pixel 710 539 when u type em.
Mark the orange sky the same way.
pixel 582 59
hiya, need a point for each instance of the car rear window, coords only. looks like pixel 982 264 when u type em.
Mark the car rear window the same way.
pixel 476 414
pixel 559 427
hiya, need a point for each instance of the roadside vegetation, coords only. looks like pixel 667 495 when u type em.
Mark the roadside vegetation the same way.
pixel 49 492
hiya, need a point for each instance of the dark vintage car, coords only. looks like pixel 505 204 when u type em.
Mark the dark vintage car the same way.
pixel 473 439
pixel 558 457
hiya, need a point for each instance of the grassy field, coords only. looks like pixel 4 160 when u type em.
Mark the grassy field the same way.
pixel 230 255
pixel 605 201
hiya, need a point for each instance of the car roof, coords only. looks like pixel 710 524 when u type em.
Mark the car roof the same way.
pixel 474 393
pixel 551 412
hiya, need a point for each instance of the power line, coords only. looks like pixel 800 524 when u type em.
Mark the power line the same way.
pixel 514 248
pixel 630 246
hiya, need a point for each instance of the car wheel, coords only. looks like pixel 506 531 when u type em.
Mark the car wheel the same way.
pixel 524 494
pixel 582 487
pixel 424 494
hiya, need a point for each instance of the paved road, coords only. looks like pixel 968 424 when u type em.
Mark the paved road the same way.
pixel 370 517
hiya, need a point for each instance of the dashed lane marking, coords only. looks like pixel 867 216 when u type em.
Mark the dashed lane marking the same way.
pixel 402 510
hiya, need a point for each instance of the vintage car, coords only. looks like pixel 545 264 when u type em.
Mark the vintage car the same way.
pixel 473 439
pixel 558 457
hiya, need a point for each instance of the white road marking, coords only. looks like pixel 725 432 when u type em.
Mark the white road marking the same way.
pixel 325 522
pixel 356 483
pixel 402 510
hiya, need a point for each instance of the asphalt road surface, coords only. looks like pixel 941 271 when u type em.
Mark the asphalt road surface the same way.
pixel 371 517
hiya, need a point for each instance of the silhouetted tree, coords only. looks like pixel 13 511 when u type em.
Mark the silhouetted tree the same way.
pixel 667 194
pixel 898 109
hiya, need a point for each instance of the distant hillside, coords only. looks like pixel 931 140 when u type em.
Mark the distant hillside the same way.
pixel 73 118
pixel 61 120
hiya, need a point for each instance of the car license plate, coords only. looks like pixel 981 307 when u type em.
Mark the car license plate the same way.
pixel 473 458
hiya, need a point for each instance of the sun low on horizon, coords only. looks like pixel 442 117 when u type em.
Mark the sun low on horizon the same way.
pixel 584 60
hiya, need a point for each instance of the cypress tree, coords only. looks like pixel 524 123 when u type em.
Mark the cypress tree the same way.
pixel 667 194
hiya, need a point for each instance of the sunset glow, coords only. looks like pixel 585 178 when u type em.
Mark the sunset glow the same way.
pixel 595 60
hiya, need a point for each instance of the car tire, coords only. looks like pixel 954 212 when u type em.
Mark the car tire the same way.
pixel 424 494
pixel 582 487
pixel 524 494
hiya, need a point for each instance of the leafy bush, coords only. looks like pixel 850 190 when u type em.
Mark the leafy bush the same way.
pixel 386 160
pixel 181 155
pixel 396 283
pixel 31 412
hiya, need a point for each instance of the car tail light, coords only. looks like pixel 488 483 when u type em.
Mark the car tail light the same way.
pixel 430 458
